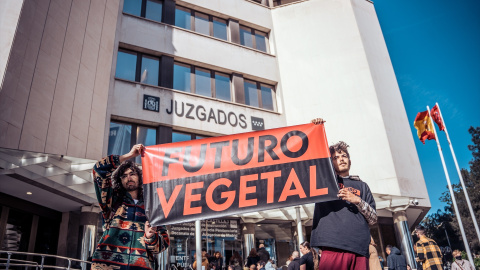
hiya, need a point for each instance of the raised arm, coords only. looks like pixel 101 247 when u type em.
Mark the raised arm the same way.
pixel 102 175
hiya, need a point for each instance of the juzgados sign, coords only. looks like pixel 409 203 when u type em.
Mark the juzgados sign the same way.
pixel 202 113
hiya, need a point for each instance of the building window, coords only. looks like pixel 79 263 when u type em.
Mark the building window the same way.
pixel 259 95
pixel 123 136
pixel 119 138
pixel 251 93
pixel 150 68
pixel 138 67
pixel 261 41
pixel 182 77
pixel 126 65
pixel 150 9
pixel 222 86
pixel 220 28
pixel 267 95
pixel 133 7
pixel 253 38
pixel 201 81
pixel 181 137
pixel 202 23
pixel 153 10
pixel 178 136
pixel 183 18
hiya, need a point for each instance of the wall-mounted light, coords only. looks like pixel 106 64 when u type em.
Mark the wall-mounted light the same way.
pixel 29 193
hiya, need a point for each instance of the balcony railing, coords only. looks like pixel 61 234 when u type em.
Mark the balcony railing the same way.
pixel 9 261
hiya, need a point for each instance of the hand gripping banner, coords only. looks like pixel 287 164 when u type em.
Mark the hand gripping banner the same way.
pixel 228 175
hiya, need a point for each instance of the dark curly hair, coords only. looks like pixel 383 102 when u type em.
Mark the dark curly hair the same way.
pixel 340 146
pixel 118 188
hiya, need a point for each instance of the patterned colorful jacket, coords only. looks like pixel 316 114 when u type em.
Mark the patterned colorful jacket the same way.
pixel 123 244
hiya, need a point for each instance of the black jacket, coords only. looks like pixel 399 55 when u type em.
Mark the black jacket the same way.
pixel 217 261
pixel 334 218
pixel 294 265
pixel 252 260
pixel 396 261
pixel 263 254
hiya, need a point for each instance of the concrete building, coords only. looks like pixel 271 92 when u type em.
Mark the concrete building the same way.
pixel 81 79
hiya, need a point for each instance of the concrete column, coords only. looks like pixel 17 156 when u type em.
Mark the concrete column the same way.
pixel 169 12
pixel 403 236
pixel 166 71
pixel 299 227
pixel 248 230
pixel 88 226
pixel 198 244
pixel 162 258
pixel 234 31
pixel 238 88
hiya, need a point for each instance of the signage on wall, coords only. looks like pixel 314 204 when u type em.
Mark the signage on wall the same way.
pixel 257 123
pixel 151 103
pixel 241 173
pixel 225 228
pixel 202 113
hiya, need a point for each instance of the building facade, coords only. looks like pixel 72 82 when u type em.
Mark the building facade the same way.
pixel 83 79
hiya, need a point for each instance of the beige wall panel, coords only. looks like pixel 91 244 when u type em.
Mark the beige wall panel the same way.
pixel 407 165
pixel 16 87
pixel 59 126
pixel 9 19
pixel 102 81
pixel 77 142
pixel 41 96
pixel 12 135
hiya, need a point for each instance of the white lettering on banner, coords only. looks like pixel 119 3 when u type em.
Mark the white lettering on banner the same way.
pixel 210 228
pixel 180 261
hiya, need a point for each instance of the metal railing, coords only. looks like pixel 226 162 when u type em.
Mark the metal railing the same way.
pixel 33 264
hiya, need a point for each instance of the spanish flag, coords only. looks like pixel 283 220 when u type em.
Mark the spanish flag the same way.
pixel 435 112
pixel 424 126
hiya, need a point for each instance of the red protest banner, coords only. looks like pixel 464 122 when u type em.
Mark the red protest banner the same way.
pixel 239 173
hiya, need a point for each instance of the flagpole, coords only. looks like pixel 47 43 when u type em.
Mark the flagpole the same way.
pixel 475 223
pixel 454 202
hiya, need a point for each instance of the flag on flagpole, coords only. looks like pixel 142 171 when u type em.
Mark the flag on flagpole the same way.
pixel 435 112
pixel 424 126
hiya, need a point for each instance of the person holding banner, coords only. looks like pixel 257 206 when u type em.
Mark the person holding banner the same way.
pixel 341 227
pixel 128 241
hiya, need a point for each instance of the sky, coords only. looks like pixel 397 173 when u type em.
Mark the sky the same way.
pixel 434 46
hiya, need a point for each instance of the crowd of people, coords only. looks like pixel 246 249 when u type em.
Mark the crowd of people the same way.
pixel 340 237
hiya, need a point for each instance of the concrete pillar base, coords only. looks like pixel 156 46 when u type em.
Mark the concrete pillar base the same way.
pixel 402 233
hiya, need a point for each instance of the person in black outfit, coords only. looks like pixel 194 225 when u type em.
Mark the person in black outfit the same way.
pixel 236 261
pixel 395 259
pixel 263 253
pixel 341 227
pixel 295 262
pixel 310 258
pixel 217 260
pixel 252 258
